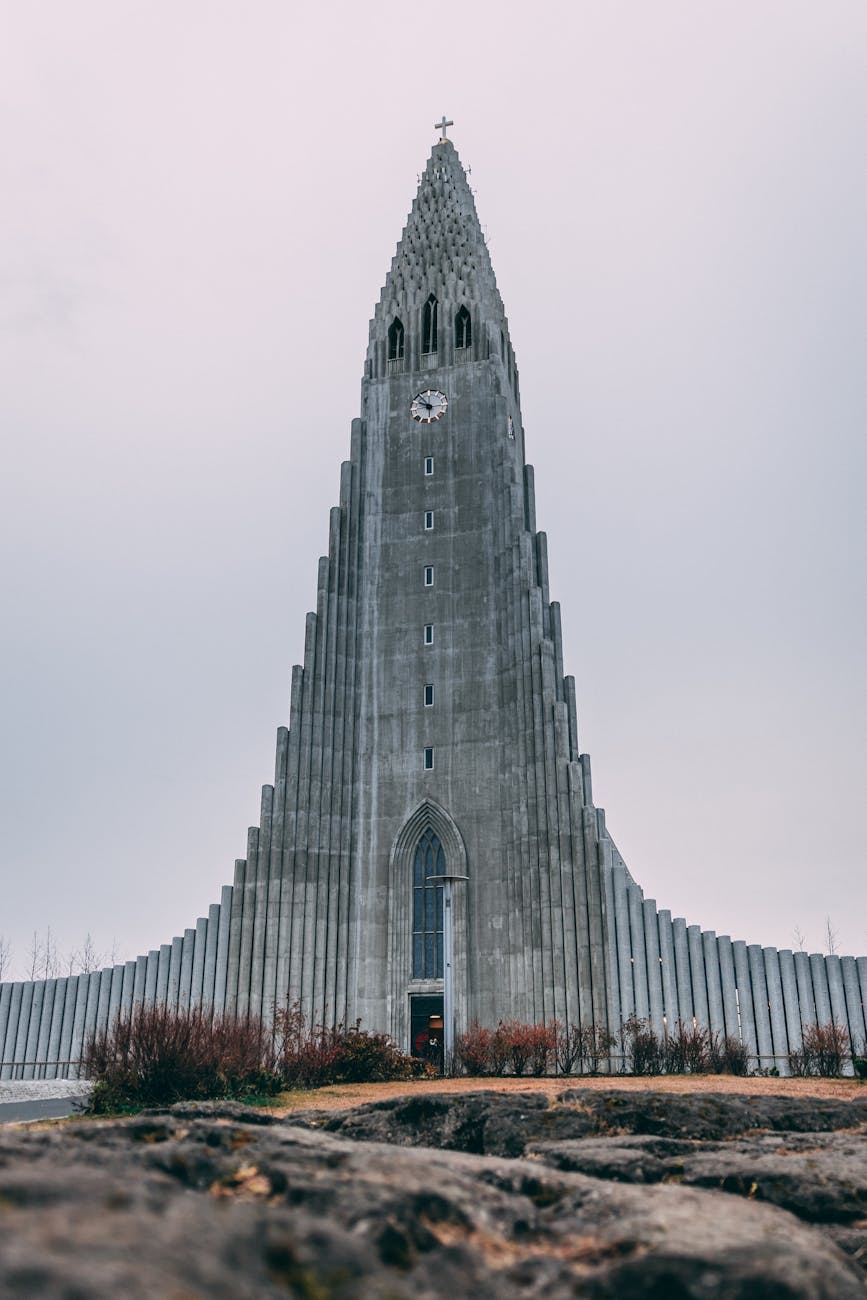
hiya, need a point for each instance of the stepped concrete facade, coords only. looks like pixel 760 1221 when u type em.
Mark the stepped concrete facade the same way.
pixel 433 731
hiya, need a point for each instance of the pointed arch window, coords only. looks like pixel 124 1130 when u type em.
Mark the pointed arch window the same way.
pixel 427 909
pixel 429 326
pixel 395 339
pixel 463 329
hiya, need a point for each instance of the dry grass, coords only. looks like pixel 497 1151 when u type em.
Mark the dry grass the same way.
pixel 345 1096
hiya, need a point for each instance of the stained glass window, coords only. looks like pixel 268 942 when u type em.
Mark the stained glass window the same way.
pixel 427 909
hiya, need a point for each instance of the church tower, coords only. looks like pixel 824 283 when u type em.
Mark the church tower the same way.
pixel 433 734
pixel 432 730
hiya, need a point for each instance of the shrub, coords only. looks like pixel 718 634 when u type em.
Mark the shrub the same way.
pixel 154 1056
pixel 473 1051
pixel 642 1050
pixel 824 1051
pixel 728 1055
pixel 312 1056
pixel 686 1050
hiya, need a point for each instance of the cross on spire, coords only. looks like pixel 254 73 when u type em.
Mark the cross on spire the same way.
pixel 441 126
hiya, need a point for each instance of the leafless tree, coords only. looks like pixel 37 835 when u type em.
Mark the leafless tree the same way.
pixel 832 937
pixel 5 956
pixel 86 958
pixel 43 961
pixel 800 938
pixel 34 957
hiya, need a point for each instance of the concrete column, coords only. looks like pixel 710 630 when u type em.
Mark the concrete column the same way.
pixel 23 1029
pixel 5 1001
pixel 209 969
pixel 235 927
pixel 67 1027
pixel 715 1013
pixel 42 1054
pixel 73 1029
pixel 615 1016
pixel 837 995
pixel 176 957
pixel 223 949
pixel 8 1055
pixel 115 996
pixel 185 981
pixel 151 977
pixel 760 1005
pixel 163 966
pixel 861 965
pixel 697 975
pixel 745 997
pixel 854 1009
pixel 200 942
pixel 90 1013
pixel 806 1000
pixel 728 986
pixel 667 970
pixel 791 1002
pixel 776 1009
pixel 685 1010
pixel 139 984
pixel 654 974
pixel 104 1002
pixel 624 951
pixel 57 1013
pixel 635 904
pixel 820 988
pixel 127 992
pixel 32 1039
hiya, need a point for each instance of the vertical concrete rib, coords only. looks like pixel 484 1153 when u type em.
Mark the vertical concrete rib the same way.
pixel 854 1010
pixel 57 1012
pixel 197 977
pixel 42 1055
pixel 5 1002
pixel 670 1009
pixel 728 986
pixel 635 905
pixel 838 998
pixel 624 951
pixel 139 983
pixel 806 999
pixel 275 876
pixel 746 1013
pixel 151 974
pixel 32 1037
pixel 12 1031
pixel 861 966
pixel 163 966
pixel 115 994
pixel 223 950
pixel 73 1049
pixel 776 1010
pixel 615 1012
pixel 820 989
pixel 67 1027
pixel 104 1002
pixel 236 922
pixel 209 962
pixel 248 920
pixel 654 972
pixel 760 1005
pixel 185 982
pixel 716 1015
pixel 176 957
pixel 290 822
pixel 685 1006
pixel 260 911
pixel 697 975
pixel 791 1002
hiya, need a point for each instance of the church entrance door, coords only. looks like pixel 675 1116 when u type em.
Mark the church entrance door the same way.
pixel 426 1028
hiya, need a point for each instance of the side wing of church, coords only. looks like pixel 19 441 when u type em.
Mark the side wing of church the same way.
pixel 433 735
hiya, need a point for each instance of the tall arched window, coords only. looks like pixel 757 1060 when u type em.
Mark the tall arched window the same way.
pixel 395 339
pixel 427 909
pixel 429 326
pixel 463 329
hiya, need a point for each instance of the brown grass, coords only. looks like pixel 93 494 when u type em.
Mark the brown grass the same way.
pixel 345 1096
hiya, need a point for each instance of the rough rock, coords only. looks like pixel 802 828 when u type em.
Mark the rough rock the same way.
pixel 220 1201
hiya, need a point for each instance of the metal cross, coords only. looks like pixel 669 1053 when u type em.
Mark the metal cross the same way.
pixel 442 127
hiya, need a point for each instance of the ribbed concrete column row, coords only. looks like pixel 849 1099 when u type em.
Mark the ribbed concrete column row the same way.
pixel 44 1024
pixel 667 972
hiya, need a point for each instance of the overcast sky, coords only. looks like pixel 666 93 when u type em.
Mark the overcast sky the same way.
pixel 198 205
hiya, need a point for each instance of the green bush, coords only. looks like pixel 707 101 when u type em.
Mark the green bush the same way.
pixel 313 1056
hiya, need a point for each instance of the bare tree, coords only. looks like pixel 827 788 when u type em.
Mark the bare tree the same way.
pixel 34 957
pixel 43 960
pixel 5 956
pixel 86 958
pixel 832 937
pixel 800 938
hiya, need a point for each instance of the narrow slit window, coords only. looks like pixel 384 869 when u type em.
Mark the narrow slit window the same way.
pixel 429 326
pixel 428 760
pixel 428 575
pixel 428 520
pixel 428 633
pixel 428 695
pixel 428 466
pixel 463 329
pixel 395 339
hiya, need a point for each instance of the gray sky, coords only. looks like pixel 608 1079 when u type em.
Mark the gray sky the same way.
pixel 199 205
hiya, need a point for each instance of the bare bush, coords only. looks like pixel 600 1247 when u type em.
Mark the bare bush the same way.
pixel 824 1051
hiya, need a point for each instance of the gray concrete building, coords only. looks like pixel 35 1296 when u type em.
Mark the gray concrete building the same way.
pixel 433 731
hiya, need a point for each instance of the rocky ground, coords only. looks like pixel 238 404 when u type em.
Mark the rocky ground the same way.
pixel 595 1193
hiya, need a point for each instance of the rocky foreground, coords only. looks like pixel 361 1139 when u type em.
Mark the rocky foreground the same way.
pixel 597 1194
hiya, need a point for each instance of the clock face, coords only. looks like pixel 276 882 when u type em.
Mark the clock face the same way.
pixel 429 405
